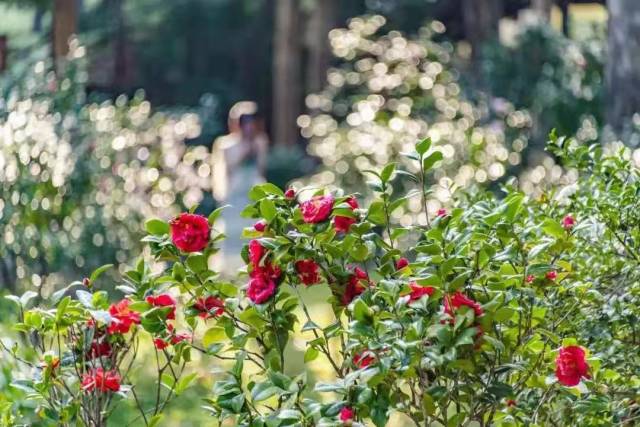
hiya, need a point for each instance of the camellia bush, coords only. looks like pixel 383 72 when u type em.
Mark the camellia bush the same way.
pixel 507 311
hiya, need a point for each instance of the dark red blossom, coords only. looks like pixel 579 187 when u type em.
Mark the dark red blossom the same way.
pixel 308 271
pixel 190 232
pixel 401 263
pixel 364 359
pixel 160 343
pixel 418 291
pixel 99 348
pixel 122 317
pixel 347 414
pixel 452 303
pixel 209 307
pixel 101 380
pixel 571 365
pixel 551 275
pixel 317 209
pixel 357 284
pixel 260 226
pixel 256 252
pixel 261 288
pixel 342 223
pixel 568 222
pixel 164 300
pixel 290 193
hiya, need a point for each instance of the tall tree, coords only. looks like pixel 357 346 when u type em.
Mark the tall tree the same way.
pixel 623 63
pixel 542 8
pixel 481 19
pixel 323 17
pixel 65 21
pixel 287 79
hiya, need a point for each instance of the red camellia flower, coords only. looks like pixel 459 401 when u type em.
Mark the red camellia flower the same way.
pixel 261 289
pixel 102 380
pixel 441 212
pixel 530 278
pixel 190 232
pixel 347 414
pixel 317 209
pixel 308 271
pixel 364 359
pixel 164 300
pixel 452 303
pixel 355 286
pixel 571 365
pixel 260 226
pixel 511 402
pixel 401 263
pixel 122 317
pixel 551 275
pixel 568 222
pixel 99 348
pixel 342 223
pixel 290 193
pixel 418 291
pixel 256 252
pixel 178 338
pixel 209 307
pixel 160 343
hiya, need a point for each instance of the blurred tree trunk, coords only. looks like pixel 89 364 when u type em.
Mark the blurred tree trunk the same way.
pixel 286 72
pixel 623 63
pixel 322 20
pixel 542 8
pixel 481 19
pixel 121 69
pixel 65 18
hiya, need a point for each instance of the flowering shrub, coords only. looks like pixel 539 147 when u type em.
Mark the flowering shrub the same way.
pixel 505 311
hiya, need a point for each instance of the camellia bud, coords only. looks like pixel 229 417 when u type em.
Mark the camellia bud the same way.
pixel 86 282
pixel 290 193
pixel 260 225
pixel 401 263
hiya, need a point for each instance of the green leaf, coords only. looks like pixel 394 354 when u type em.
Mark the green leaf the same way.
pixel 213 216
pixel 26 297
pixel 156 226
pixel 270 188
pixel 98 271
pixel 423 146
pixel 361 311
pixel 262 391
pixel 376 213
pixel 431 159
pixel 185 382
pixel 268 209
pixel 213 335
pixel 155 420
pixel 387 172
pixel 553 228
pixel 311 354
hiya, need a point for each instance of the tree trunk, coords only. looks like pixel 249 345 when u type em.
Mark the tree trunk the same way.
pixel 286 72
pixel 322 20
pixel 4 50
pixel 481 19
pixel 623 62
pixel 65 17
pixel 542 9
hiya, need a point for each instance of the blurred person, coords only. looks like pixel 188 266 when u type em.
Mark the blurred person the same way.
pixel 239 163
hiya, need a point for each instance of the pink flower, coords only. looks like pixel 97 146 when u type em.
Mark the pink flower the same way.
pixel 260 226
pixel 308 271
pixel 441 212
pixel 402 263
pixel 551 275
pixel 571 365
pixel 530 278
pixel 178 338
pixel 568 222
pixel 418 291
pixel 101 380
pixel 164 300
pixel 190 232
pixel 122 317
pixel 317 209
pixel 342 223
pixel 261 289
pixel 209 307
pixel 347 414
pixel 256 252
